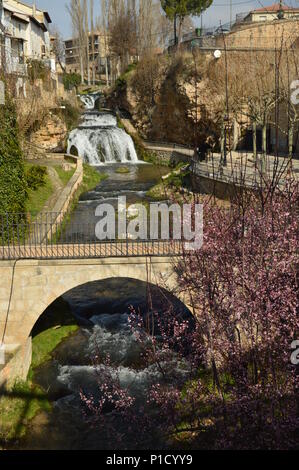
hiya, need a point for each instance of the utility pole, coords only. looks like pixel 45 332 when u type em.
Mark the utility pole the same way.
pixel 231 13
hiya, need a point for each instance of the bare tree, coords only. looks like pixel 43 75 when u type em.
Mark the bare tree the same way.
pixel 87 36
pixel 104 28
pixel 92 32
pixel 58 47
pixel 122 36
pixel 76 12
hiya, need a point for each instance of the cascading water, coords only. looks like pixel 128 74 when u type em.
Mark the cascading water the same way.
pixel 88 101
pixel 98 139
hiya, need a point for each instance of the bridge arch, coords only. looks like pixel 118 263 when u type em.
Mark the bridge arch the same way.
pixel 38 283
pixel 109 296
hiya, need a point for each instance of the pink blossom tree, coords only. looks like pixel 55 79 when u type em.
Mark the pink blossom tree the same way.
pixel 238 389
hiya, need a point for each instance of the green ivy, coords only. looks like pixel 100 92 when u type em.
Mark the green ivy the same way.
pixel 13 184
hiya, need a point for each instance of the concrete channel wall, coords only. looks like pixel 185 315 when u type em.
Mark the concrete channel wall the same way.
pixel 63 203
pixel 18 358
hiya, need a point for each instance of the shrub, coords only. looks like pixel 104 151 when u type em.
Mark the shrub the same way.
pixel 36 177
pixel 122 81
pixel 37 70
pixel 71 80
pixel 69 114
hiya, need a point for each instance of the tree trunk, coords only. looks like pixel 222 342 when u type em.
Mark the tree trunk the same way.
pixel 291 140
pixel 265 139
pixel 263 160
pixel 222 141
pixel 85 13
pixel 180 32
pixel 92 41
pixel 107 71
pixel 254 140
pixel 175 35
pixel 82 69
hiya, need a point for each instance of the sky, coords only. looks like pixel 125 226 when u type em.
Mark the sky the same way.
pixel 219 11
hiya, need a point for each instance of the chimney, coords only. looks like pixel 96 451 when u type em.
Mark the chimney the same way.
pixel 34 8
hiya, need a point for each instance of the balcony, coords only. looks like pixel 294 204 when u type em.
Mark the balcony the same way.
pixel 15 65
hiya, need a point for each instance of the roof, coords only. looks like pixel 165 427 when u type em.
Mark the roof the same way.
pixel 48 17
pixel 21 17
pixel 275 8
pixel 27 11
pixel 38 23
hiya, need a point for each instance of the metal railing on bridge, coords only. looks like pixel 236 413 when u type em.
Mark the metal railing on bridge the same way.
pixel 45 237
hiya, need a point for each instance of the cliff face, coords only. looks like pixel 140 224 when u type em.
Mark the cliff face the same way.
pixel 51 135
pixel 177 111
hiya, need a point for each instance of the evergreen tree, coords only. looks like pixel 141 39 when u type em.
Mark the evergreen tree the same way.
pixel 180 9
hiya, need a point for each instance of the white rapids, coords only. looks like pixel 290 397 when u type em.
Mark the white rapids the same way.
pixel 112 337
pixel 98 139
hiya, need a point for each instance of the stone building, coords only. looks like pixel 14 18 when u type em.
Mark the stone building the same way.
pixel 98 60
pixel 25 35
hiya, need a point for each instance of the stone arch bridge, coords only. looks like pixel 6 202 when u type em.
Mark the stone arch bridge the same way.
pixel 32 279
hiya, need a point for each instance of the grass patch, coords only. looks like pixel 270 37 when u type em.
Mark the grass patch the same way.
pixel 44 343
pixel 158 192
pixel 17 407
pixel 64 175
pixel 173 183
pixel 38 198
pixel 25 400
pixel 91 178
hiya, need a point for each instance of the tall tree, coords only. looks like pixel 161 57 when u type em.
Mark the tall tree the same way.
pixel 58 47
pixel 178 10
pixel 92 33
pixel 76 12
pixel 86 26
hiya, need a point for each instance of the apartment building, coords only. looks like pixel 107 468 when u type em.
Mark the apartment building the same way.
pixel 97 55
pixel 25 35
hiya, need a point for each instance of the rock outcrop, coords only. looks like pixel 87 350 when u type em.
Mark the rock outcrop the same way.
pixel 178 111
pixel 51 135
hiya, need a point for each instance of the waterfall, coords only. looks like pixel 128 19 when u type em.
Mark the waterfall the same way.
pixel 98 139
pixel 88 101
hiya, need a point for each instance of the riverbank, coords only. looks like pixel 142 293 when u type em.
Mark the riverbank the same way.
pixel 29 400
pixel 23 401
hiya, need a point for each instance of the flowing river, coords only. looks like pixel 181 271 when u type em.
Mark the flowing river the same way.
pixel 102 310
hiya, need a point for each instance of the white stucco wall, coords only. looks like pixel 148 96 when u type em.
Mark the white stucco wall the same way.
pixel 36 40
pixel 33 35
